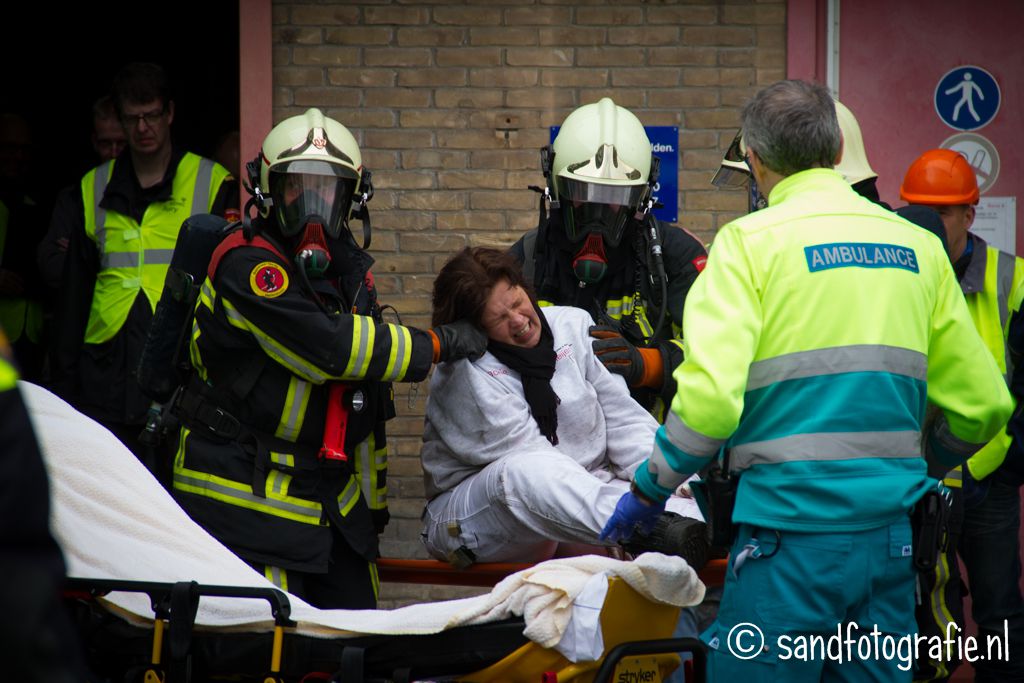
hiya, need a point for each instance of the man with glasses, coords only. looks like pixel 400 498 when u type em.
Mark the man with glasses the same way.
pixel 122 235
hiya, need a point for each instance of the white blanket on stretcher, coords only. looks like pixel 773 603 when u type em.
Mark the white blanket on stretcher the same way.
pixel 114 521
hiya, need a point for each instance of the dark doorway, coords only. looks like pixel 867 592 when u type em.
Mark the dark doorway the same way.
pixel 59 58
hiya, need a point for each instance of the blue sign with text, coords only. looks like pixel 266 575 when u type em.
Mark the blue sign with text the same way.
pixel 967 98
pixel 665 146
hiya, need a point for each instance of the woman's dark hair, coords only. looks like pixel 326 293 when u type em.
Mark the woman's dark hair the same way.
pixel 465 282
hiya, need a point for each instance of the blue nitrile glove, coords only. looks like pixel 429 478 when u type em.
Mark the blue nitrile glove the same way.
pixel 631 513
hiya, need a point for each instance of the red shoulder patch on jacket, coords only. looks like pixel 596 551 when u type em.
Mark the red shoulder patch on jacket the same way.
pixel 700 262
pixel 237 239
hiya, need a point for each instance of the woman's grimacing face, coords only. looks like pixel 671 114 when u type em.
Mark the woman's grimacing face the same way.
pixel 509 316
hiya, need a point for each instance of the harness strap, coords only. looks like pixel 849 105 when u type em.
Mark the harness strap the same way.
pixel 238 239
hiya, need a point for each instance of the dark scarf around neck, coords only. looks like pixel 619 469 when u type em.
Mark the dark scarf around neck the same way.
pixel 536 367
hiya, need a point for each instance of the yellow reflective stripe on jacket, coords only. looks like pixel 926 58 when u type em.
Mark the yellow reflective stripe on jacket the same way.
pixel 617 309
pixel 991 308
pixel 348 497
pixel 294 412
pixel 364 331
pixel 297 365
pixel 370 461
pixel 401 353
pixel 276 576
pixel 8 375
pixel 241 495
pixel 18 315
pixel 277 502
pixel 134 257
pixel 21 317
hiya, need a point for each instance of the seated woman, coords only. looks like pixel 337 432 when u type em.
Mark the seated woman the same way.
pixel 532 444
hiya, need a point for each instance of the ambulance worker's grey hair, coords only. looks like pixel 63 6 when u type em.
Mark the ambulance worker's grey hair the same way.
pixel 792 126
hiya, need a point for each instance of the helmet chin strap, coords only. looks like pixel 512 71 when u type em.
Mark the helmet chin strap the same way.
pixel 312 254
pixel 590 264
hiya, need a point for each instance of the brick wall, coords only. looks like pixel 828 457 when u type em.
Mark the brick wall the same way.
pixel 451 102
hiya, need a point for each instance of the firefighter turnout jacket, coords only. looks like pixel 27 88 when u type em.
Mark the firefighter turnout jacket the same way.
pixel 821 328
pixel 248 467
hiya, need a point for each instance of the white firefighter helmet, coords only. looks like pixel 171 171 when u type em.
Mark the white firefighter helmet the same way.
pixel 310 165
pixel 854 164
pixel 600 171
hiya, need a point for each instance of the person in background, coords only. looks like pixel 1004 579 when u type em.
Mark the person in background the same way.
pixel 108 141
pixel 122 234
pixel 21 228
pixel 986 491
pixel 822 533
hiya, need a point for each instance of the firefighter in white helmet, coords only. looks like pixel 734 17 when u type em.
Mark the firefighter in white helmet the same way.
pixel 282 455
pixel 598 247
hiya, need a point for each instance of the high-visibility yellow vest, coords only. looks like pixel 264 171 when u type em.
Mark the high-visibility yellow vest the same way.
pixel 991 304
pixel 18 315
pixel 135 257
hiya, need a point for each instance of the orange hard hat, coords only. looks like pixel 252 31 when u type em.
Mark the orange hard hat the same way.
pixel 940 177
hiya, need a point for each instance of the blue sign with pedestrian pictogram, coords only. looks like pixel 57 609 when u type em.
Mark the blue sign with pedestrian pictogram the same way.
pixel 665 146
pixel 967 98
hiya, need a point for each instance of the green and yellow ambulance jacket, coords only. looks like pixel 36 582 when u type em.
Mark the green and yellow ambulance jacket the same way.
pixel 264 346
pixel 817 334
pixel 994 288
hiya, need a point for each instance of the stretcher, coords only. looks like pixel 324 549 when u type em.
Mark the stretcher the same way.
pixel 155 598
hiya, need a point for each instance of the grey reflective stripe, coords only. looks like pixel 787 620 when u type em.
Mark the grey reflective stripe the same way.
pixel 398 338
pixel 662 472
pixel 120 259
pixel 614 310
pixel 955 474
pixel 279 482
pixel 99 186
pixel 365 469
pixel 201 193
pixel 687 440
pixel 285 459
pixel 364 345
pixel 158 257
pixel 312 512
pixel 348 496
pixel 827 446
pixel 276 575
pixel 819 362
pixel 298 389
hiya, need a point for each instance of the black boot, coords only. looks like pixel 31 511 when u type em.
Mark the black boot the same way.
pixel 673 534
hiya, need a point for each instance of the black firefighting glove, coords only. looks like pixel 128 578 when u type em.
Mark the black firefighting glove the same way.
pixel 460 339
pixel 641 367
